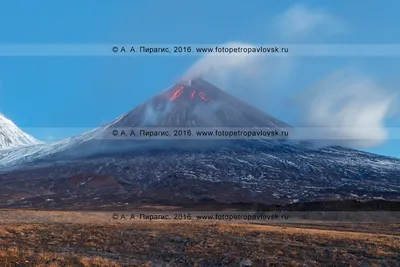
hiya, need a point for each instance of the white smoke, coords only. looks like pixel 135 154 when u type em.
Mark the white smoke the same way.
pixel 351 107
pixel 206 110
pixel 244 75
pixel 152 115
pixel 219 68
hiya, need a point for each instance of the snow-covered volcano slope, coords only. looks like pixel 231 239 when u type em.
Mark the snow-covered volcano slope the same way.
pixel 11 136
pixel 196 103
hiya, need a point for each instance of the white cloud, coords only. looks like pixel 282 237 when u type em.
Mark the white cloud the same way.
pixel 351 107
pixel 258 71
pixel 300 21
pixel 251 77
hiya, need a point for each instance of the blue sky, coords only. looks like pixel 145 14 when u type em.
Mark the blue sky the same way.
pixel 85 92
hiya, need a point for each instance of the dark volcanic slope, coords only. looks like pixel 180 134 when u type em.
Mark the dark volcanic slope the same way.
pixel 269 175
pixel 230 171
pixel 196 104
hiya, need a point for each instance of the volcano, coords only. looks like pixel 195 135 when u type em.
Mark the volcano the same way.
pixel 193 103
pixel 161 171
pixel 196 103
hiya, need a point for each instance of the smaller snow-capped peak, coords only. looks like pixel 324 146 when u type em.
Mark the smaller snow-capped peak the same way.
pixel 11 136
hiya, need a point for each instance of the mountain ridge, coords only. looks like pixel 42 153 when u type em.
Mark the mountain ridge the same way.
pixel 257 171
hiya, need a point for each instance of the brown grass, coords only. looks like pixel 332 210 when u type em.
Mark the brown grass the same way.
pixel 30 238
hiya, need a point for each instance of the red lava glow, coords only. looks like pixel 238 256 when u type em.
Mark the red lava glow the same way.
pixel 204 97
pixel 178 92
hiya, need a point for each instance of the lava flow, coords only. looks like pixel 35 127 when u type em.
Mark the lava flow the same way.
pixel 179 91
pixel 204 97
